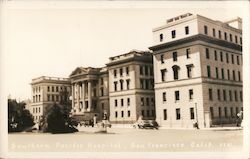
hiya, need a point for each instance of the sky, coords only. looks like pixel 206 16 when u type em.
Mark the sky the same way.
pixel 54 40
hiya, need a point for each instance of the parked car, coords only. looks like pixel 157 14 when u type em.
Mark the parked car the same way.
pixel 146 124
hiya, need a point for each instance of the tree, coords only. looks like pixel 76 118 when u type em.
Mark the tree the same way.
pixel 19 118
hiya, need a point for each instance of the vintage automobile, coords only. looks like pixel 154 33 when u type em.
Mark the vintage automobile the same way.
pixel 146 124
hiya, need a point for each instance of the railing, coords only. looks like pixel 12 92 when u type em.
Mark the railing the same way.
pixel 49 78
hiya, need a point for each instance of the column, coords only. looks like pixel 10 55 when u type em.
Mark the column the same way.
pixel 73 96
pixel 83 95
pixel 78 97
pixel 89 95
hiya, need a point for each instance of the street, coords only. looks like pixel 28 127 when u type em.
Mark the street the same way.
pixel 128 139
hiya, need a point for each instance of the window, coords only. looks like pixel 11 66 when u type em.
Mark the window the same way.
pixel 142 101
pixel 148 113
pixel 231 37
pixel 210 94
pixel 227 58
pixel 52 88
pixel 48 96
pixel 188 53
pixel 128 113
pixel 208 72
pixel 161 37
pixel 191 113
pixel 234 75
pixel 215 55
pixel 146 70
pixel 48 89
pixel 116 114
pixel 232 57
pixel 186 30
pixel 127 71
pixel 222 73
pixel 39 98
pixel 163 74
pixel 102 106
pixel 142 83
pixel 231 112
pixel 219 34
pixel 115 86
pixel 236 39
pixel 151 71
pixel 56 88
pixel 57 98
pixel 128 101
pixel 122 114
pixel 121 84
pixel 178 114
pixel 218 94
pixel 141 70
pixel 177 95
pixel 217 72
pixel 122 102
pixel 53 99
pixel 219 112
pixel 115 73
pixel 175 56
pixel 176 72
pixel 224 95
pixel 221 56
pixel 191 94
pixel 225 35
pixel 164 97
pixel 241 40
pixel 165 114
pixel 236 110
pixel 230 95
pixel 225 112
pixel 239 77
pixel 205 29
pixel 228 74
pixel 173 34
pixel 102 91
pixel 241 96
pixel 207 53
pixel 128 84
pixel 214 32
pixel 235 95
pixel 142 113
pixel 153 113
pixel 147 101
pixel 212 112
pixel 162 58
pixel 121 71
pixel 189 71
pixel 116 102
pixel 238 60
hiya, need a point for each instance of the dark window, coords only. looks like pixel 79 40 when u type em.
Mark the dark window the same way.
pixel 147 101
pixel 234 75
pixel 236 39
pixel 48 88
pixel 173 34
pixel 218 94
pixel 191 113
pixel 122 114
pixel 121 71
pixel 207 53
pixel 186 30
pixel 225 35
pixel 115 86
pixel 219 112
pixel 214 32
pixel 116 114
pixel 52 88
pixel 227 57
pixel 146 70
pixel 224 95
pixel 128 101
pixel 225 111
pixel 222 73
pixel 153 113
pixel 121 84
pixel 151 71
pixel 219 34
pixel 176 72
pixel 205 29
pixel 188 53
pixel 122 102
pixel 127 70
pixel 208 72
pixel 230 95
pixel 231 37
pixel 161 37
pixel 241 40
pixel 116 102
pixel 177 95
pixel 189 71
pixel 141 70
pixel 142 83
pixel 148 113
pixel 115 73
pixel 231 112
pixel 232 57
pixel 142 101
pixel 48 96
pixel 217 72
pixel 212 112
pixel 57 89
pixel 174 56
pixel 239 76
pixel 178 114
pixel 235 95
pixel 128 83
pixel 164 97
pixel 142 113
pixel 165 114
pixel 163 73
pixel 210 94
pixel 191 94
pixel 241 96
pixel 221 56
pixel 215 55
pixel 228 74
pixel 238 60
pixel 128 113
pixel 162 58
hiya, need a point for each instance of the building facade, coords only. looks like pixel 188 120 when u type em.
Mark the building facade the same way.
pixel 131 87
pixel 198 71
pixel 90 95
pixel 45 92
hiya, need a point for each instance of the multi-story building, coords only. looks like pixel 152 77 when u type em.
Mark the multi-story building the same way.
pixel 198 71
pixel 45 92
pixel 90 96
pixel 131 87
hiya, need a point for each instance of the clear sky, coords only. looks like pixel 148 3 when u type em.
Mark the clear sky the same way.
pixel 53 41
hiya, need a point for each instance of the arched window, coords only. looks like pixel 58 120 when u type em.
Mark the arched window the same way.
pixel 176 72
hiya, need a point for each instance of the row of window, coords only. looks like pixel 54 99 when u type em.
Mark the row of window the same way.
pixel 36 110
pixel 226 113
pixel 221 55
pixel 173 33
pixel 36 89
pixel 223 95
pixel 146 83
pixel 178 114
pixel 36 98
pixel 56 98
pixel 146 113
pixel 176 70
pixel 122 102
pixel 121 72
pixel 177 95
pixel 229 77
pixel 56 88
pixel 37 117
pixel 219 34
pixel 146 70
pixel 121 84
pixel 145 101
pixel 122 114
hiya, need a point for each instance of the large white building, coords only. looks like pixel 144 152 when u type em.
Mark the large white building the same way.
pixel 197 71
